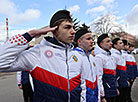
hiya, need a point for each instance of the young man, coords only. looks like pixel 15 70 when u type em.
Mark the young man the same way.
pixel 24 83
pixel 107 69
pixel 83 38
pixel 134 69
pixel 55 67
pixel 131 67
pixel 121 73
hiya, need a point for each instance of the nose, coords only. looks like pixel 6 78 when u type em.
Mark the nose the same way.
pixel 73 31
pixel 91 41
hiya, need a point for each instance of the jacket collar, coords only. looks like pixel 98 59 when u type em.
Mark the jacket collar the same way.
pixel 82 51
pixel 99 50
pixel 52 41
pixel 115 51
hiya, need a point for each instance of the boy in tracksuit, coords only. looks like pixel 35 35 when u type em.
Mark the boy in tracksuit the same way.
pixel 107 69
pixel 134 69
pixel 131 69
pixel 121 73
pixel 24 83
pixel 83 39
pixel 57 69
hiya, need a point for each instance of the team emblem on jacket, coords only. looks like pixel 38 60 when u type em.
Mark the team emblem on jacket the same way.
pixel 75 58
pixel 49 53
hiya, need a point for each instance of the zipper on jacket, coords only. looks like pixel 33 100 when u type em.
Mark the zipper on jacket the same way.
pixel 66 52
pixel 90 67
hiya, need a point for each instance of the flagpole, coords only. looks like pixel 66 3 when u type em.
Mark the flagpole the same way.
pixel 7 29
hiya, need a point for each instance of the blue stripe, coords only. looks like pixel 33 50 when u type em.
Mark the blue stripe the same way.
pixel 92 95
pixel 46 93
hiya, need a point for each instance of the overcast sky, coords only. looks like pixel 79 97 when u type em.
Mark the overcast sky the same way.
pixel 24 15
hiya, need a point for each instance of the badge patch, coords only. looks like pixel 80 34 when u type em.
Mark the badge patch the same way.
pixel 49 53
pixel 104 61
pixel 75 58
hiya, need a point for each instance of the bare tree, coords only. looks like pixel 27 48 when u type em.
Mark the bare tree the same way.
pixel 106 24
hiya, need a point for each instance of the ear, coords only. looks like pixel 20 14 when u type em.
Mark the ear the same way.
pixel 54 32
pixel 115 45
pixel 101 44
pixel 79 42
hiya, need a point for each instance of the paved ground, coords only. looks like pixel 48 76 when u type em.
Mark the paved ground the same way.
pixel 9 91
pixel 135 91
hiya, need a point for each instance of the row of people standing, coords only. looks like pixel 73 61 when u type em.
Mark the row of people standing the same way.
pixel 60 72
pixel 118 69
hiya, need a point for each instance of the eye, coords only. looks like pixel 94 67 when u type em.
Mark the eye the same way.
pixel 109 41
pixel 89 38
pixel 68 27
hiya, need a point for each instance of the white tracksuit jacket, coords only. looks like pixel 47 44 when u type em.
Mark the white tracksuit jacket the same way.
pixel 57 71
pixel 92 84
pixel 107 71
pixel 121 71
pixel 131 64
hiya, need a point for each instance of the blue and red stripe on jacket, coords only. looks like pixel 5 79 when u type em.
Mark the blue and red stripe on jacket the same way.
pixel 92 91
pixel 131 70
pixel 109 82
pixel 122 76
pixel 49 87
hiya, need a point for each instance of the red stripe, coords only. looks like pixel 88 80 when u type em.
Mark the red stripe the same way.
pixel 91 85
pixel 129 63
pixel 74 82
pixel 55 80
pixel 109 71
pixel 134 63
pixel 121 67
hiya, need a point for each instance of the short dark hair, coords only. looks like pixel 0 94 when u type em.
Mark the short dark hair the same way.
pixel 80 33
pixel 61 14
pixel 125 42
pixel 114 41
pixel 101 38
pixel 130 45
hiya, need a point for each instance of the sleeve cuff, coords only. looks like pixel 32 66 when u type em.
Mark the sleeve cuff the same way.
pixel 19 84
pixel 102 97
pixel 27 37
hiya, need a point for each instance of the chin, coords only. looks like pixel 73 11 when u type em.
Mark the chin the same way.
pixel 69 42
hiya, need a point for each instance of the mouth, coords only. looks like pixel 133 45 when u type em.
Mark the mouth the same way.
pixel 91 45
pixel 71 37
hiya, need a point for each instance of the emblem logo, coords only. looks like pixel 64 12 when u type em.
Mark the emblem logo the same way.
pixel 49 53
pixel 75 58
pixel 105 61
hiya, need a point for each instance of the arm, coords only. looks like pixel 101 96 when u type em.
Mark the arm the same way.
pixel 19 79
pixel 99 65
pixel 12 56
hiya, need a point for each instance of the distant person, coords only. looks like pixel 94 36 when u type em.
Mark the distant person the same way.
pixel 55 67
pixel 24 83
pixel 132 70
pixel 106 69
pixel 121 70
